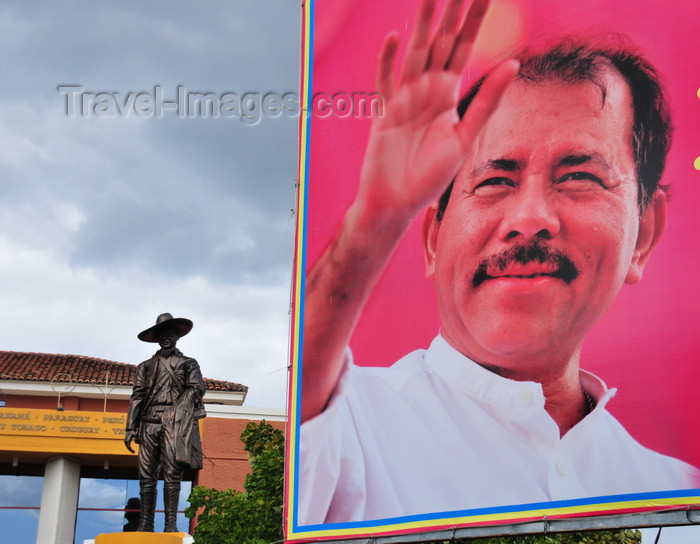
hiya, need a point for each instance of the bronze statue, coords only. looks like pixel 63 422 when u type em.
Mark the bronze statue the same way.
pixel 164 410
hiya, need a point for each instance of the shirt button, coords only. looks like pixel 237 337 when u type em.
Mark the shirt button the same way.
pixel 561 468
pixel 526 396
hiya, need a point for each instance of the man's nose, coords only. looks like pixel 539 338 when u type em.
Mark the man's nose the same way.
pixel 530 214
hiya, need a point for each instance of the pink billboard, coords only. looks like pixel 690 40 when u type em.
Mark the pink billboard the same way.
pixel 495 302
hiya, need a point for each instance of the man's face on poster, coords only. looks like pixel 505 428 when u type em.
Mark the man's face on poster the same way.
pixel 543 225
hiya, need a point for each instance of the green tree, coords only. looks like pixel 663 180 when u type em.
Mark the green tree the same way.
pixel 253 516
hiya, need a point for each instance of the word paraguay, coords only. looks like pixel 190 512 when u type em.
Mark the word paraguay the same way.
pixel 61 417
pixel 249 107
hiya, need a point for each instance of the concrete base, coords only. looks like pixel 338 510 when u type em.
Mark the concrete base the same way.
pixel 142 538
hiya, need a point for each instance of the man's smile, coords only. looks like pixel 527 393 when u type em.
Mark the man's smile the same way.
pixel 526 262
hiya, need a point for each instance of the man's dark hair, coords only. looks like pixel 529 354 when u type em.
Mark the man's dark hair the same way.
pixel 575 60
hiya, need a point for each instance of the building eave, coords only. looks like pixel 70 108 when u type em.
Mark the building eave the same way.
pixel 99 391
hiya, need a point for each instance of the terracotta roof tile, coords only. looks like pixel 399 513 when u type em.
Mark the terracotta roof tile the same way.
pixel 47 367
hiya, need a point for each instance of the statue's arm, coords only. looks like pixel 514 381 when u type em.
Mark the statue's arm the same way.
pixel 413 152
pixel 194 386
pixel 136 402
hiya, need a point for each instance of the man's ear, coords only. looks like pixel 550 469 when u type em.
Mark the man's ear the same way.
pixel 651 226
pixel 429 233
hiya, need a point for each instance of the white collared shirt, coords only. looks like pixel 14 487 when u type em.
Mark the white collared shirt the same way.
pixel 436 432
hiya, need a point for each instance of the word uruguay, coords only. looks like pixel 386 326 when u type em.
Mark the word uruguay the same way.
pixel 249 107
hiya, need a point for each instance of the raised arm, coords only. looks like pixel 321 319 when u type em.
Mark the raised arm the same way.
pixel 413 152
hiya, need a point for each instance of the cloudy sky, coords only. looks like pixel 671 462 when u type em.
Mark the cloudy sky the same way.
pixel 109 218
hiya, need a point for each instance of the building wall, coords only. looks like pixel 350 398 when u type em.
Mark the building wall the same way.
pixel 226 462
pixel 69 403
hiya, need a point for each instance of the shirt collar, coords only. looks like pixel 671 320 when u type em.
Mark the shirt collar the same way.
pixel 463 373
pixel 169 352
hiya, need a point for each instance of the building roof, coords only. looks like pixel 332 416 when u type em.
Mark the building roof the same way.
pixel 80 369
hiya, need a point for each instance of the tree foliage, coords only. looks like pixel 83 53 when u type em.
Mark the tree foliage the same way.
pixel 253 516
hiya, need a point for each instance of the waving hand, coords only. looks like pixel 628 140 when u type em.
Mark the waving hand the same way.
pixel 414 151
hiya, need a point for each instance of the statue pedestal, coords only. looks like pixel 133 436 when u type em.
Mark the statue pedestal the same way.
pixel 142 538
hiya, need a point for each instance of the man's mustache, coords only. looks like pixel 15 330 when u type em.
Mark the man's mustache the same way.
pixel 561 266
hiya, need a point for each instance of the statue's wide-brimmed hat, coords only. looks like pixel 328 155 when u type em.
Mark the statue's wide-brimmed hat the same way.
pixel 166 321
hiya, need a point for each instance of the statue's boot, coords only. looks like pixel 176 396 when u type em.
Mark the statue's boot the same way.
pixel 148 508
pixel 171 496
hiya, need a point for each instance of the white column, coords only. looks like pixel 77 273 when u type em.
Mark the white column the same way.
pixel 59 502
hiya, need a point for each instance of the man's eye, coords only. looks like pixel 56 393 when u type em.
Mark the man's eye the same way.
pixel 495 182
pixel 580 176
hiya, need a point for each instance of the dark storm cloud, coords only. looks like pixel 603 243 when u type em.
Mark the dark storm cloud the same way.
pixel 221 242
pixel 210 41
pixel 203 197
